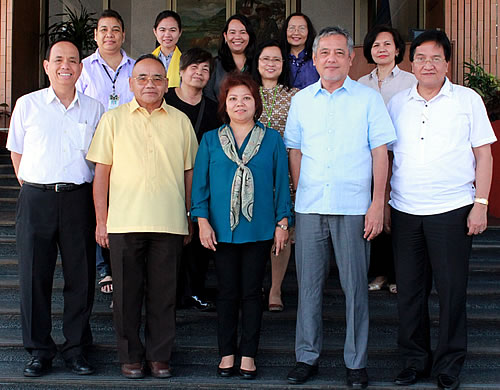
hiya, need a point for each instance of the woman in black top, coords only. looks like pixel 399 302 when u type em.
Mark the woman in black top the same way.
pixel 237 44
pixel 195 67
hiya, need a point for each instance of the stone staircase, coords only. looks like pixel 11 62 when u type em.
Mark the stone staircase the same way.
pixel 195 357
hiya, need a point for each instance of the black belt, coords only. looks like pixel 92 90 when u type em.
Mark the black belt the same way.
pixel 57 187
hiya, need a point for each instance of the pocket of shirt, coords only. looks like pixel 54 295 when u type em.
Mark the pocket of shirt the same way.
pixel 81 136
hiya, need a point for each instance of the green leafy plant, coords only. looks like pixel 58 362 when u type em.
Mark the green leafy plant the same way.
pixel 77 26
pixel 486 85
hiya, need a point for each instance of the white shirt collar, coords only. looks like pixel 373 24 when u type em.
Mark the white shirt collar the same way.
pixel 96 56
pixel 394 72
pixel 51 96
pixel 446 90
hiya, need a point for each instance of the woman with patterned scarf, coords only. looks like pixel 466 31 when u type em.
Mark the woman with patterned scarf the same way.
pixel 241 200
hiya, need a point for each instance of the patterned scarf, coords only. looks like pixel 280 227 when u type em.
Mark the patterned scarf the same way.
pixel 242 189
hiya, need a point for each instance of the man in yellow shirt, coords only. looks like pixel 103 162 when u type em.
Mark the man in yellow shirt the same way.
pixel 144 153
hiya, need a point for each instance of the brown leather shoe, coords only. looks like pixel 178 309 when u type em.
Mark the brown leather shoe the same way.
pixel 133 370
pixel 160 369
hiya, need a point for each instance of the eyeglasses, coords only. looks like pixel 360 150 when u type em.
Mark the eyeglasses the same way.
pixel 301 29
pixel 143 80
pixel 424 60
pixel 272 60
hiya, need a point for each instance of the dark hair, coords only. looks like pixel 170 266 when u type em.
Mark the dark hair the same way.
pixel 52 44
pixel 196 56
pixel 439 37
pixel 168 14
pixel 235 79
pixel 149 56
pixel 284 77
pixel 111 13
pixel 372 36
pixel 311 34
pixel 224 53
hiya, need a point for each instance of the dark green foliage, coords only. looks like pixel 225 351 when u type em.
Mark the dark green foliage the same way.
pixel 486 85
pixel 77 26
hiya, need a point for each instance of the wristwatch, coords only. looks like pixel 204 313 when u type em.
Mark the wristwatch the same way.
pixel 481 201
pixel 282 227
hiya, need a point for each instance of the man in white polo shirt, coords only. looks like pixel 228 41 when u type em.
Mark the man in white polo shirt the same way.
pixel 441 177
pixel 49 136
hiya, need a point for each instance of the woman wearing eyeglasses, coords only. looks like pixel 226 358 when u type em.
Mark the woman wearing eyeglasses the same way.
pixel 384 47
pixel 271 72
pixel 297 38
pixel 237 45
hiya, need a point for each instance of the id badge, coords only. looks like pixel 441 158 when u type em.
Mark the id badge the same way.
pixel 114 101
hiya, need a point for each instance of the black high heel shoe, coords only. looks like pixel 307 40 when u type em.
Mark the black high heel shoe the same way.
pixel 225 372
pixel 247 374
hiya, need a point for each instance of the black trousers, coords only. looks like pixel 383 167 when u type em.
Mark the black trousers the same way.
pixel 193 268
pixel 144 266
pixel 425 248
pixel 240 271
pixel 46 221
pixel 382 258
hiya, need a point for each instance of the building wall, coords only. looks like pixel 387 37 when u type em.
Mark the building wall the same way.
pixel 473 28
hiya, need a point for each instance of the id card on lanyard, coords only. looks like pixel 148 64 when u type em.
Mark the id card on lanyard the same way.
pixel 114 98
pixel 114 101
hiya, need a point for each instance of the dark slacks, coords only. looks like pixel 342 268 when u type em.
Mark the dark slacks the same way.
pixel 240 271
pixel 193 268
pixel 46 221
pixel 144 266
pixel 425 248
pixel 382 258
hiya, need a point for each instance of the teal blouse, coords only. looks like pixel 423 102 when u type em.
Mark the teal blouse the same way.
pixel 213 177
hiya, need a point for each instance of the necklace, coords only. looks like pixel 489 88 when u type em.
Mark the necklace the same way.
pixel 268 110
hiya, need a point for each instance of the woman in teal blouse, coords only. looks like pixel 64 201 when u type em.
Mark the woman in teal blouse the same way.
pixel 241 200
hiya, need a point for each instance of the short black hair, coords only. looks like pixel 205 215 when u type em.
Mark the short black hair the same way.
pixel 311 34
pixel 52 44
pixel 168 14
pixel 437 36
pixel 196 56
pixel 149 56
pixel 284 77
pixel 224 53
pixel 111 13
pixel 372 36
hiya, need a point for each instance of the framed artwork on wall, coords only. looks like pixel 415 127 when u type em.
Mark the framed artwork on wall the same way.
pixel 203 20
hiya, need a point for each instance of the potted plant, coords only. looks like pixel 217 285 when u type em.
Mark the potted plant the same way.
pixel 488 86
pixel 77 26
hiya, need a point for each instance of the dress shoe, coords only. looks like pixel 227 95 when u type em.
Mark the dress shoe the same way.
pixel 160 369
pixel 248 374
pixel 301 373
pixel 37 366
pixel 409 376
pixel 200 304
pixel 447 382
pixel 225 372
pixel 133 370
pixel 357 378
pixel 79 365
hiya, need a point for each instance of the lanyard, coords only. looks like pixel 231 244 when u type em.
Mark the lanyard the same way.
pixel 269 111
pixel 113 81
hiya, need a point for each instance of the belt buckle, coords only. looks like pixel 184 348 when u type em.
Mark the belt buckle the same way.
pixel 59 187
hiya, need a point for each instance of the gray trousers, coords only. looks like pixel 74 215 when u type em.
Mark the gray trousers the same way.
pixel 316 236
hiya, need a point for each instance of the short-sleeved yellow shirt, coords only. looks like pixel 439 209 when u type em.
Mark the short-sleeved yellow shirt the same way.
pixel 148 154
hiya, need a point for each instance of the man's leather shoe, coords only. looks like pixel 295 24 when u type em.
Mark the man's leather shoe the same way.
pixel 301 373
pixel 225 372
pixel 160 369
pixel 447 382
pixel 409 376
pixel 79 365
pixel 201 304
pixel 133 370
pixel 247 374
pixel 357 378
pixel 37 366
